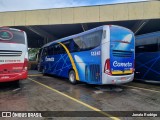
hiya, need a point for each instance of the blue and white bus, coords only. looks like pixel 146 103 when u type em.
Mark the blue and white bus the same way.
pixel 103 55
pixel 148 57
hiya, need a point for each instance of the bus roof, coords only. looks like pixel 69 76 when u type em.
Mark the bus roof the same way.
pixel 8 28
pixel 73 36
pixel 79 34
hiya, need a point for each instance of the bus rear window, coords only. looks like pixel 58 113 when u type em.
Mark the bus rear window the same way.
pixel 12 36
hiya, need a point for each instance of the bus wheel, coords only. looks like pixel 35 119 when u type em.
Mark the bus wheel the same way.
pixel 72 77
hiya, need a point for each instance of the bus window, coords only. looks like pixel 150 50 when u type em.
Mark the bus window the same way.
pixel 44 53
pixel 13 36
pixel 50 50
pixel 92 40
pixel 78 44
pixel 88 41
pixel 57 49
pixel 147 45
pixel 67 44
pixel 147 48
pixel 73 46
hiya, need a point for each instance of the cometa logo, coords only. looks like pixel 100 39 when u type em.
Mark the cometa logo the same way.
pixel 49 59
pixel 5 35
pixel 118 64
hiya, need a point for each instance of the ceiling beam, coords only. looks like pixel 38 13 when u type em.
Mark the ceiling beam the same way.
pixel 41 32
pixel 139 25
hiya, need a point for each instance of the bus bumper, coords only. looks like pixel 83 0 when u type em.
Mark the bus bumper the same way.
pixel 118 79
pixel 13 77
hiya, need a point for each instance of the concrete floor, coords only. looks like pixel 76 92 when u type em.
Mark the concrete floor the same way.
pixel 33 96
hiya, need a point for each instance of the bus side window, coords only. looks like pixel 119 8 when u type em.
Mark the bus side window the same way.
pixel 50 50
pixel 67 44
pixel 58 49
pixel 92 40
pixel 147 45
pixel 44 52
pixel 78 44
pixel 73 46
pixel 87 42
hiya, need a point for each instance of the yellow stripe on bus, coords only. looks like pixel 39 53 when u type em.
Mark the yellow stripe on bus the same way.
pixel 71 59
pixel 128 71
pixel 117 72
pixel 121 72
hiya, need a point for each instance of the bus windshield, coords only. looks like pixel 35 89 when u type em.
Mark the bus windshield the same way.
pixel 12 36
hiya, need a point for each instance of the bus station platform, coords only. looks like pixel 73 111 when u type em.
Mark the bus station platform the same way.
pixel 50 93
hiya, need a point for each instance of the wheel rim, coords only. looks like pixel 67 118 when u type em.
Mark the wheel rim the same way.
pixel 72 77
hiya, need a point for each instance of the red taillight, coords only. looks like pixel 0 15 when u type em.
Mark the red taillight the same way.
pixel 25 65
pixel 107 67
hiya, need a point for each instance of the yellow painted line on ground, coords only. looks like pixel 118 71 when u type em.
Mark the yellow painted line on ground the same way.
pixel 141 88
pixel 78 101
pixel 35 75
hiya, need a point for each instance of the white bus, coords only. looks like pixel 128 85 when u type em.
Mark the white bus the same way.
pixel 13 54
pixel 103 55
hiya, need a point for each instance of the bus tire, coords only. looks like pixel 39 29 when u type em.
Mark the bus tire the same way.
pixel 72 77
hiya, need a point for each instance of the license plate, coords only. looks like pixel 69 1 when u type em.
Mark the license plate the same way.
pixel 123 78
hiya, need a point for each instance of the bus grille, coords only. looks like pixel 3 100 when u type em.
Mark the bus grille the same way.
pixel 9 53
pixel 121 53
pixel 92 73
